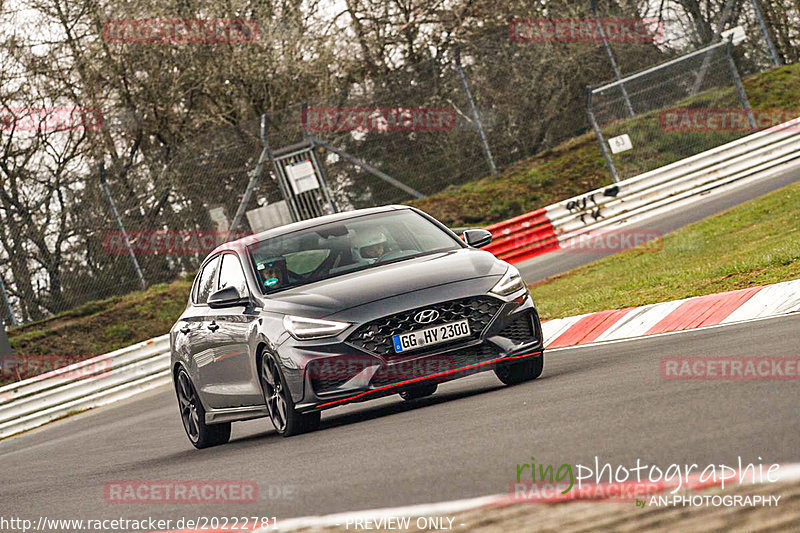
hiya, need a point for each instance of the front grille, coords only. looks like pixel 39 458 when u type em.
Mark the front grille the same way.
pixel 376 336
pixel 519 330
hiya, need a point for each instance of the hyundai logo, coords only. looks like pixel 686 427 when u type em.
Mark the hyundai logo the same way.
pixel 427 316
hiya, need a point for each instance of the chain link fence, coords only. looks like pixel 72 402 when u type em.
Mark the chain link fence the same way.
pixel 471 109
pixel 675 110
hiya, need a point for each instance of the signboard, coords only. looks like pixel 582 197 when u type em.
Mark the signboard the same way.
pixel 302 177
pixel 217 215
pixel 620 143
pixel 268 217
pixel 737 35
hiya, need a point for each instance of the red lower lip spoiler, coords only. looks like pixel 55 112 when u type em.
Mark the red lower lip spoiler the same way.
pixel 432 376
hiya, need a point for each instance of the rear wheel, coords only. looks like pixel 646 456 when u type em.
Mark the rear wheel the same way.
pixel 285 418
pixel 520 371
pixel 419 391
pixel 200 434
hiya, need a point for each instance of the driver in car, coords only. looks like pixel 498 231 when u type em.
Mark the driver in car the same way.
pixel 273 272
pixel 371 244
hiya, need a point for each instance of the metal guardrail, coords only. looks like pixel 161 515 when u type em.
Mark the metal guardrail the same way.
pixel 124 373
pixel 90 383
pixel 756 156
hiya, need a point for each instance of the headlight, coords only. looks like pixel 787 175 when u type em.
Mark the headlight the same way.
pixel 312 328
pixel 510 283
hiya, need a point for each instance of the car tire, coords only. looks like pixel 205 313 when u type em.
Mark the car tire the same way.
pixel 280 406
pixel 419 391
pixel 193 415
pixel 520 371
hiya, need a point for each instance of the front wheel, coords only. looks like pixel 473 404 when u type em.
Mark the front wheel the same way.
pixel 520 371
pixel 200 434
pixel 285 418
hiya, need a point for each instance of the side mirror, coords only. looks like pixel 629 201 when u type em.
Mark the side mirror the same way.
pixel 477 237
pixel 227 297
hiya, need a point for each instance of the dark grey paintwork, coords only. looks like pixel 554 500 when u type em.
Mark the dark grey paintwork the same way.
pixel 223 362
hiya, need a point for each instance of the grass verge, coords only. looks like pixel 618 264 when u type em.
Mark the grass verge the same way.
pixel 753 244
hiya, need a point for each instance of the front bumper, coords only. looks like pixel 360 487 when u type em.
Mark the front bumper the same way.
pixel 334 374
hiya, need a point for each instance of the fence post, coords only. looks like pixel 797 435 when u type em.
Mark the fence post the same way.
pixel 767 38
pixel 475 117
pixel 326 191
pixel 701 74
pixel 599 134
pixel 611 59
pixel 5 345
pixel 740 87
pixel 9 312
pixel 104 186
pixel 255 177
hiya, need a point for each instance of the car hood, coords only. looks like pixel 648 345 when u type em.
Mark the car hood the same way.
pixel 333 295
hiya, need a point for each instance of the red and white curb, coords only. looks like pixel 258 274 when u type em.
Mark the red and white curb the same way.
pixel 677 315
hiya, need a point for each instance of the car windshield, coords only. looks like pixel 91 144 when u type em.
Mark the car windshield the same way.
pixel 345 246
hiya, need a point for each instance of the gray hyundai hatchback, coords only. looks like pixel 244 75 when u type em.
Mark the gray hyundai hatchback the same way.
pixel 345 308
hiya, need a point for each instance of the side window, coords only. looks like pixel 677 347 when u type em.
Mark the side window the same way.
pixel 231 274
pixel 207 281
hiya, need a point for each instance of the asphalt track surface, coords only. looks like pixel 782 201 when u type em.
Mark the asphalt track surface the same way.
pixel 607 401
pixel 548 265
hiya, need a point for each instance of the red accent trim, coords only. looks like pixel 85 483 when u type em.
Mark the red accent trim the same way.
pixel 424 378
pixel 588 328
pixel 702 311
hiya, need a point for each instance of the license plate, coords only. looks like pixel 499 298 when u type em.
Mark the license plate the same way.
pixel 433 335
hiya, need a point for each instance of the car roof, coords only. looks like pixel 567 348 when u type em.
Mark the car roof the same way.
pixel 303 224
